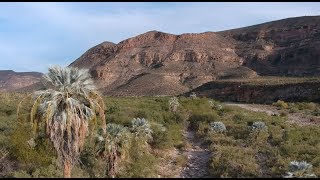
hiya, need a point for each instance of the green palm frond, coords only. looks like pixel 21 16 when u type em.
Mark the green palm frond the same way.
pixel 141 128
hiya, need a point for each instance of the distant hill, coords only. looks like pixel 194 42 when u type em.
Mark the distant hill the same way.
pixel 11 81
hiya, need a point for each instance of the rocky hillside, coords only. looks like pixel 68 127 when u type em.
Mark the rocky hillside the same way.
pixel 286 47
pixel 157 63
pixel 10 80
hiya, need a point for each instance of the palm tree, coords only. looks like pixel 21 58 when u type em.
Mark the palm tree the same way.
pixel 114 146
pixel 65 108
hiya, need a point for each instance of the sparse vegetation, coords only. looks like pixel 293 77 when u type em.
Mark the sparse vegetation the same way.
pixel 238 152
pixel 281 104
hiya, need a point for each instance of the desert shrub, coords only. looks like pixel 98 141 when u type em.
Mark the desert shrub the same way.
pixel 237 131
pixel 21 174
pixel 202 129
pixel 160 137
pixel 141 166
pixel 276 164
pixel 215 105
pixel 162 102
pixel 299 143
pixel 234 161
pixel 195 119
pixel 311 106
pixel 174 104
pixel 316 112
pixel 142 163
pixel 281 104
pixel 300 170
pixel 112 109
pixel 183 146
pixel 225 110
pixel 294 109
pixel 221 140
pixel 141 114
pixel 181 161
pixel 276 134
pixel 92 164
pixel 239 118
pixel 305 106
pixel 218 127
pixel 175 134
pixel 283 113
pixel 258 139
pixel 52 171
pixel 41 155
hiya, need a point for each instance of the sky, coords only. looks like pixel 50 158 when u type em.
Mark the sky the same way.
pixel 34 36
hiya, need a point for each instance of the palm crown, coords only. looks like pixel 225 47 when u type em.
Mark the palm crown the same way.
pixel 66 107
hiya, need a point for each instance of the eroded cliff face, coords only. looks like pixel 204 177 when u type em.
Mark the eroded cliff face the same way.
pixel 285 47
pixel 239 92
pixel 178 63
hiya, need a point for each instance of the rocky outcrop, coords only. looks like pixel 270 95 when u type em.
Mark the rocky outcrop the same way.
pixel 259 93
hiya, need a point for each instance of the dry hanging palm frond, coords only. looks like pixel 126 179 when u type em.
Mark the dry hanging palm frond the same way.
pixel 66 108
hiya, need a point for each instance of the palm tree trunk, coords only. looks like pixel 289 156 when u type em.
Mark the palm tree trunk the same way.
pixel 67 169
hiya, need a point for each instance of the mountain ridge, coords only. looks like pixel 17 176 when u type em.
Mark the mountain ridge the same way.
pixel 160 63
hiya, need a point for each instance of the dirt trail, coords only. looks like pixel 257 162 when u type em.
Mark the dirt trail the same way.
pixel 198 157
pixel 271 110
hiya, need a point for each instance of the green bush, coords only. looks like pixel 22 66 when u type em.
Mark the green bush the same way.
pixel 234 152
pixel 234 161
pixel 40 156
pixel 196 119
